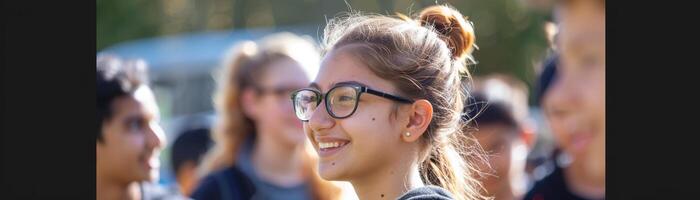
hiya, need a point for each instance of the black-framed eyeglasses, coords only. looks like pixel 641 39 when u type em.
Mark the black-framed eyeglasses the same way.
pixel 340 101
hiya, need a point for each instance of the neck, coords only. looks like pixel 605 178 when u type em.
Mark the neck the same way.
pixel 388 183
pixel 277 163
pixel 112 190
pixel 506 193
pixel 515 187
pixel 582 184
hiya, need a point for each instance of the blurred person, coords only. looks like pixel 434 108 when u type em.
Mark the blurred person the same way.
pixel 129 138
pixel 384 110
pixel 260 149
pixel 574 104
pixel 498 116
pixel 186 155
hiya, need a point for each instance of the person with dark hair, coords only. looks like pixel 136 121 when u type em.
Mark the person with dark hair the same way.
pixel 546 77
pixel 129 138
pixel 186 155
pixel 497 122
pixel 574 104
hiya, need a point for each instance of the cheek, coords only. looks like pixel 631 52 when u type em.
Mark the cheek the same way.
pixel 595 159
pixel 365 133
pixel 270 112
pixel 280 105
pixel 373 122
pixel 135 142
pixel 267 107
pixel 499 161
pixel 504 161
pixel 597 96
pixel 557 129
pixel 374 141
pixel 284 111
pixel 124 150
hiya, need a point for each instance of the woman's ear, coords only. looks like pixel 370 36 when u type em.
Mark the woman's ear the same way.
pixel 248 103
pixel 419 117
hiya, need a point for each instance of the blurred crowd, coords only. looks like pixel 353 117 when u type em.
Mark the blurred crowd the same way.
pixel 384 108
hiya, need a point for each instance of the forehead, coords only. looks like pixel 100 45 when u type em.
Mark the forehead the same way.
pixel 340 65
pixel 142 103
pixel 581 22
pixel 285 72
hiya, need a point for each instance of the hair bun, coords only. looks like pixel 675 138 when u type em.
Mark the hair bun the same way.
pixel 452 27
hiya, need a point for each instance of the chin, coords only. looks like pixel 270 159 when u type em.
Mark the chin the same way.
pixel 330 172
pixel 148 175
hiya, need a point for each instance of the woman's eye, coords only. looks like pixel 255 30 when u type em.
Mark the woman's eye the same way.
pixel 346 98
pixel 135 124
pixel 313 99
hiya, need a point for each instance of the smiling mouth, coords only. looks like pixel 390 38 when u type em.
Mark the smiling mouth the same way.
pixel 327 146
pixel 330 148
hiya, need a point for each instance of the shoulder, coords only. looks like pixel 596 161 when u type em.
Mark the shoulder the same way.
pixel 427 193
pixel 548 187
pixel 208 188
pixel 226 182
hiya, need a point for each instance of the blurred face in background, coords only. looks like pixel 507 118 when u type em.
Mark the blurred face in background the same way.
pixel 576 102
pixel 506 155
pixel 132 139
pixel 273 108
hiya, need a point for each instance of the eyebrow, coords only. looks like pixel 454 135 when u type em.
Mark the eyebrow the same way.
pixel 146 115
pixel 333 84
pixel 135 117
pixel 350 82
pixel 314 85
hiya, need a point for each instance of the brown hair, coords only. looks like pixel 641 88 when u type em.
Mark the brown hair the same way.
pixel 425 58
pixel 246 63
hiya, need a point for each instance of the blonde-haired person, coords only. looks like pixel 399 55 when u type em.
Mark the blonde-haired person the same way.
pixel 384 110
pixel 260 150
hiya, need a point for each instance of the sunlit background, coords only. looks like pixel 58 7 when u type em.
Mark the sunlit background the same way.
pixel 184 40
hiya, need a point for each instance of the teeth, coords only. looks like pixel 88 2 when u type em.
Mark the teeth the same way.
pixel 324 145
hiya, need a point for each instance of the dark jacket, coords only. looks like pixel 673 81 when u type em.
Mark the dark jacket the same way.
pixel 227 184
pixel 553 186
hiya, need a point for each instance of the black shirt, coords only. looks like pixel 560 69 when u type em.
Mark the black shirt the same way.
pixel 553 186
pixel 227 184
